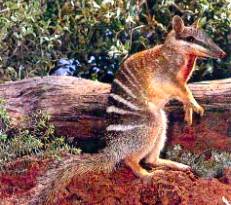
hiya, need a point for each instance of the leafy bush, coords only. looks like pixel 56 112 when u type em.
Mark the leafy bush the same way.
pixel 39 141
pixel 201 164
pixel 4 118
pixel 100 34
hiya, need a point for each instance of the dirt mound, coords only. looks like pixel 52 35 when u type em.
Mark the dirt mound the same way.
pixel 120 187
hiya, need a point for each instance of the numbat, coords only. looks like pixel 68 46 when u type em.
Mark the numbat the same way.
pixel 137 123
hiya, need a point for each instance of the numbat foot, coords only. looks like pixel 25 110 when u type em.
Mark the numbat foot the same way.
pixel 171 164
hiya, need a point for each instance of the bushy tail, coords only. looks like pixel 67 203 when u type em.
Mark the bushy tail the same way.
pixel 54 182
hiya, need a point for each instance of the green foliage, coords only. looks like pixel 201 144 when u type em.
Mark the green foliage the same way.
pixel 203 165
pixel 34 34
pixel 4 118
pixel 39 141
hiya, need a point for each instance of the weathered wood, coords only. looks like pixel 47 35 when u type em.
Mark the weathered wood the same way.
pixel 77 106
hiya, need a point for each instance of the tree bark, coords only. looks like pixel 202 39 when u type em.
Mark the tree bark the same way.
pixel 77 106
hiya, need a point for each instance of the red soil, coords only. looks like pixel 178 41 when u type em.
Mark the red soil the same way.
pixel 120 187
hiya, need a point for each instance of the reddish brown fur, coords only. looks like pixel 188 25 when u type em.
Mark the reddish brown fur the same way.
pixel 188 70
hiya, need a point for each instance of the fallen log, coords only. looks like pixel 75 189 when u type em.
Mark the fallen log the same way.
pixel 77 106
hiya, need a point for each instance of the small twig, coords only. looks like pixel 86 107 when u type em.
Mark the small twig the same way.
pixel 148 11
pixel 139 6
pixel 182 11
pixel 7 10
pixel 131 34
pixel 4 10
pixel 130 38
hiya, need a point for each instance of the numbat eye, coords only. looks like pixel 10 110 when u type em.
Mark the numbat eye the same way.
pixel 190 39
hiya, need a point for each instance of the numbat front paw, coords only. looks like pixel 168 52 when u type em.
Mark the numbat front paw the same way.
pixel 189 112
pixel 199 110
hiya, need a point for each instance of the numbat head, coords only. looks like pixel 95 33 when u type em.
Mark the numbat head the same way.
pixel 192 41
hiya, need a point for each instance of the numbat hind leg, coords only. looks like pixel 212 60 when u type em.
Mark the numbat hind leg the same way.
pixel 136 168
pixel 154 160
pixel 133 160
pixel 171 164
pixel 153 156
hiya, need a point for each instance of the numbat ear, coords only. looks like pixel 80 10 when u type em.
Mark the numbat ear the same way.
pixel 178 24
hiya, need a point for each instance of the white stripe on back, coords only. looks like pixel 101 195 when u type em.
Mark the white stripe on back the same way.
pixel 131 74
pixel 125 102
pixel 129 79
pixel 125 88
pixel 122 127
pixel 113 109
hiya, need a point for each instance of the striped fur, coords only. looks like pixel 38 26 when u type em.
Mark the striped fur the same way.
pixel 130 81
pixel 123 127
pixel 127 69
pixel 125 88
pixel 125 102
pixel 113 109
